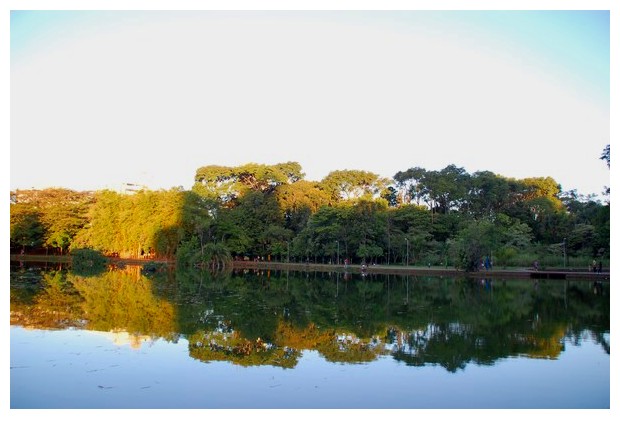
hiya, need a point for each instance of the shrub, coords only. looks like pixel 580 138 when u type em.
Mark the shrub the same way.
pixel 152 267
pixel 87 261
pixel 188 252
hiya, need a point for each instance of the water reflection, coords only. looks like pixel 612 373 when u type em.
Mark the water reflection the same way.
pixel 120 301
pixel 269 318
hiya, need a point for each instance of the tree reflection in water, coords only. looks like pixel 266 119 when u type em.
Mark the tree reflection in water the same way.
pixel 114 301
pixel 270 318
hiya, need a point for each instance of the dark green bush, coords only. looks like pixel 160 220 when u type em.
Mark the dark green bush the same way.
pixel 153 267
pixel 87 261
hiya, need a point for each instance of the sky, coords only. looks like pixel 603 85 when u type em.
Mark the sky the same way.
pixel 100 98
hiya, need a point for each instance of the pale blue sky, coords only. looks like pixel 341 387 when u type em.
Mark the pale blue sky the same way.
pixel 103 98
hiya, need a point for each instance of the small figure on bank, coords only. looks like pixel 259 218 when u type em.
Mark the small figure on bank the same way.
pixel 600 266
pixel 536 265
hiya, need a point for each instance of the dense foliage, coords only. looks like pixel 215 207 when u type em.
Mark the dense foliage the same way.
pixel 446 217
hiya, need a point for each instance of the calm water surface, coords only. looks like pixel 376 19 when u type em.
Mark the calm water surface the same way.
pixel 186 339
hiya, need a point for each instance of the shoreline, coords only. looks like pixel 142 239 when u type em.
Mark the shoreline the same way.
pixel 551 273
pixel 568 274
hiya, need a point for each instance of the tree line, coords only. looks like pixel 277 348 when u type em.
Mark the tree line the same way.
pixel 446 217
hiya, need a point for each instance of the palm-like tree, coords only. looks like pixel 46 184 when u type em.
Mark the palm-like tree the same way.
pixel 215 255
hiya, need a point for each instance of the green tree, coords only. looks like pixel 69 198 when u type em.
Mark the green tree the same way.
pixel 353 184
pixel 275 239
pixel 134 225
pixel 476 240
pixel 536 188
pixel 61 214
pixel 489 194
pixel 324 230
pixel 390 195
pixel 410 185
pixel 189 252
pixel 447 188
pixel 215 255
pixel 229 183
pixel 27 229
pixel 298 201
pixel 199 217
pixel 104 230
pixel 368 222
pixel 588 224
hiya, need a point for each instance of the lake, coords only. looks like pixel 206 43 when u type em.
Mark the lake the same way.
pixel 187 339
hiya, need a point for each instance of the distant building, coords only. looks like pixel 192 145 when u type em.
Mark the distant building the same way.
pixel 129 188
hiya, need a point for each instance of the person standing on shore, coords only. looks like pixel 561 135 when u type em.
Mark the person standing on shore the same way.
pixel 487 263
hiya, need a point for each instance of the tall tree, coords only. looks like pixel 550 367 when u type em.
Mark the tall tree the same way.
pixel 489 194
pixel 446 189
pixel 61 212
pixel 230 183
pixel 298 201
pixel 410 185
pixel 134 225
pixel 353 184
pixel 27 230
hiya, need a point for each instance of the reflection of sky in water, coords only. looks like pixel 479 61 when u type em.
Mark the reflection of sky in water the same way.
pixel 82 369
